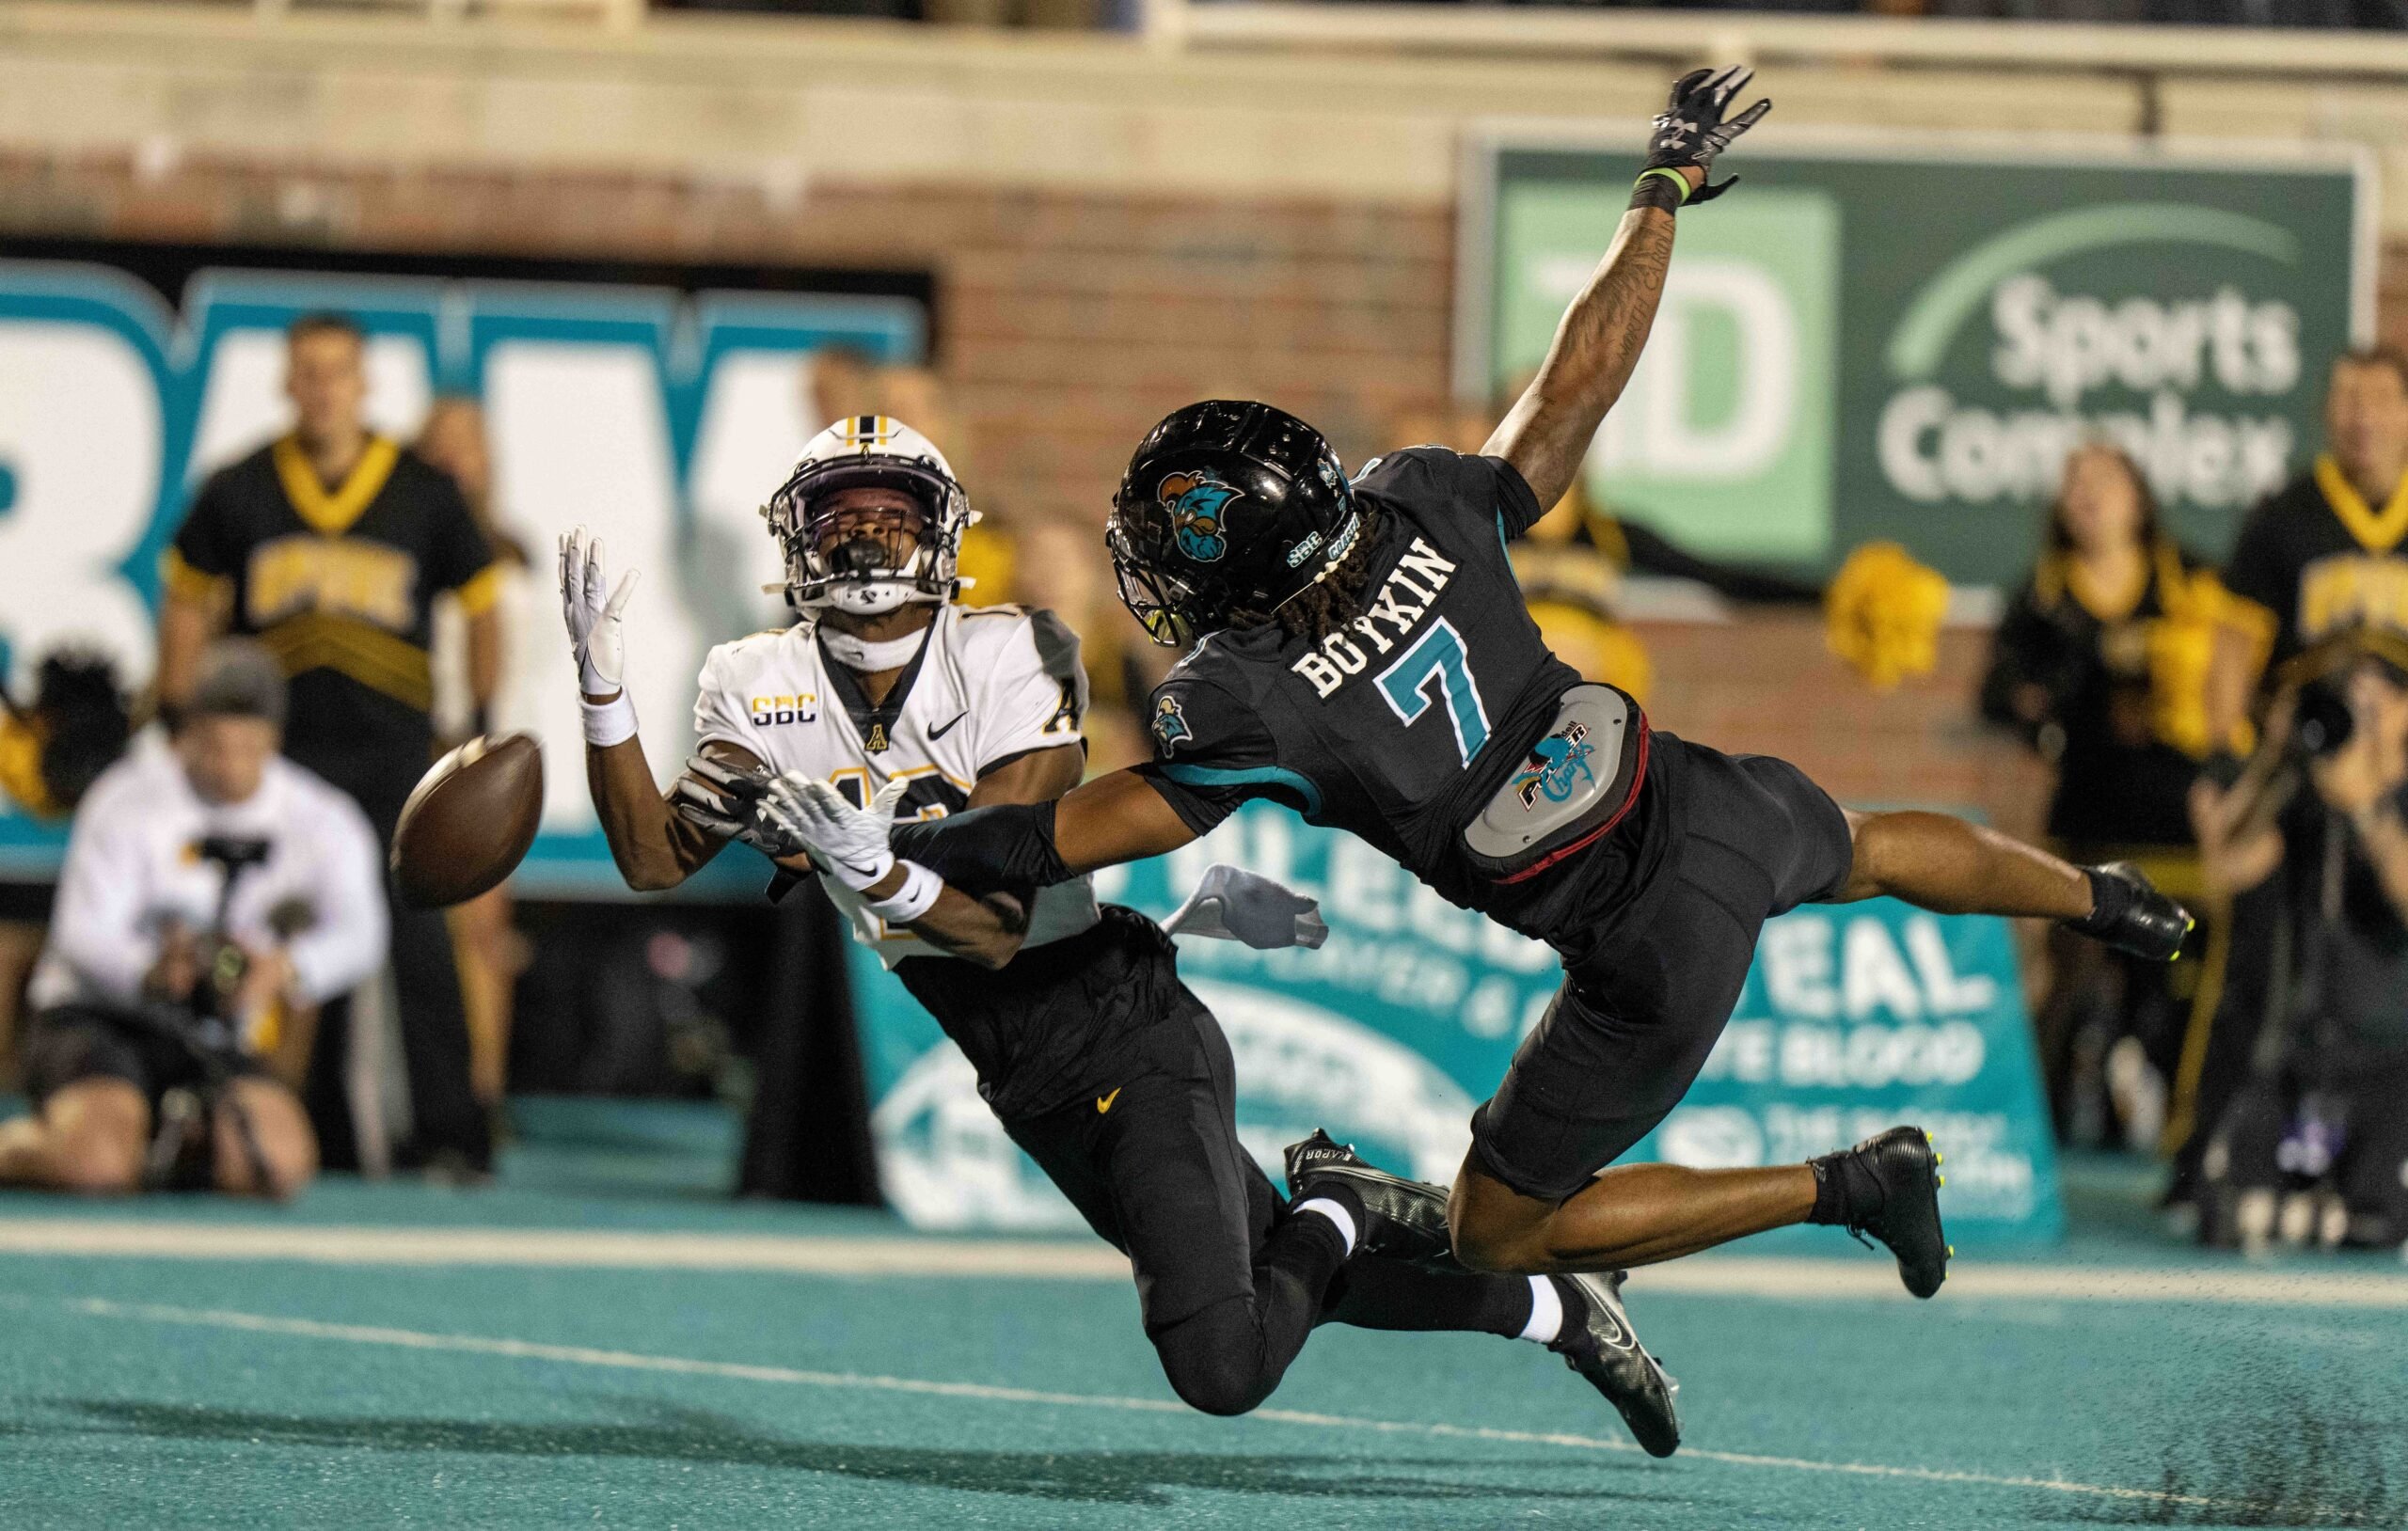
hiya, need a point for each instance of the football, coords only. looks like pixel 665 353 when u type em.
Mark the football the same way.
pixel 469 820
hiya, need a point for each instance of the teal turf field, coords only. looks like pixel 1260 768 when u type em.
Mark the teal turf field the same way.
pixel 602 1340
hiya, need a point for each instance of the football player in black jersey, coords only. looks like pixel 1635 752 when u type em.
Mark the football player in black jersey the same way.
pixel 1099 1061
pixel 1361 654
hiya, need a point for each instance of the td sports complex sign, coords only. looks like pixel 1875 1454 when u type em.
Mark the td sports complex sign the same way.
pixel 1853 346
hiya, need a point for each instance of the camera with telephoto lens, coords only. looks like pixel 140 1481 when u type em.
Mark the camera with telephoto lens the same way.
pixel 2322 720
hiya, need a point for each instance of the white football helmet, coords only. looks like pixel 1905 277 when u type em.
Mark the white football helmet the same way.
pixel 861 573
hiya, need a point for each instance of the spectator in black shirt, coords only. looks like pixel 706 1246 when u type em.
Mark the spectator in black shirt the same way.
pixel 329 544
pixel 2325 554
pixel 2100 663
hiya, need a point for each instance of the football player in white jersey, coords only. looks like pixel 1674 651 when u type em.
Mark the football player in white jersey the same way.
pixel 1097 1059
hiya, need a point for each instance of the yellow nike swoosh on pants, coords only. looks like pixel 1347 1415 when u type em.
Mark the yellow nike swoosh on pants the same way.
pixel 1104 1102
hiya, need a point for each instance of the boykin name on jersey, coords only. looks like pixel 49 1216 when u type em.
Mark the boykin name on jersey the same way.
pixel 1420 575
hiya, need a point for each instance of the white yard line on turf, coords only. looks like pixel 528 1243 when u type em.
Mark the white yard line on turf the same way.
pixel 636 1249
pixel 580 1355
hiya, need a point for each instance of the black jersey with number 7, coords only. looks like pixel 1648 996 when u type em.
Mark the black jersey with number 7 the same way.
pixel 1404 726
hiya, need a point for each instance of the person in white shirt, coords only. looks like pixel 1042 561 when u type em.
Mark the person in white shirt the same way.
pixel 213 890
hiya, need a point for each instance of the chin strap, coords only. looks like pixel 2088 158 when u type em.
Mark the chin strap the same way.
pixel 857 653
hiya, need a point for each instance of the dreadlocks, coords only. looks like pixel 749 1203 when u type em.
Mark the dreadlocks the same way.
pixel 1335 599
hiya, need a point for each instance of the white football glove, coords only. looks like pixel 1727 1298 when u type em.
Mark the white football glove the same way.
pixel 848 843
pixel 731 801
pixel 590 607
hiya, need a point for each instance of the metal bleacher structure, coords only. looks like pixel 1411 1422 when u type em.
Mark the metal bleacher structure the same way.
pixel 1249 70
pixel 2143 53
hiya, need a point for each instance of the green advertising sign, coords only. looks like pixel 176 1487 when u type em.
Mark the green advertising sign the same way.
pixel 1854 346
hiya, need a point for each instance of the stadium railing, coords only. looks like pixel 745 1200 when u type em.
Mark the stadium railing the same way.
pixel 1561 32
pixel 2144 52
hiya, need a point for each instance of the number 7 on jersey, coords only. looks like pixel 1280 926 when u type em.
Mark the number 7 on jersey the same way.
pixel 1437 666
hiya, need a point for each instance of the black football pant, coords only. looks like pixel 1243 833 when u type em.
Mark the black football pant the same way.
pixel 1634 1022
pixel 1229 1280
pixel 446 1117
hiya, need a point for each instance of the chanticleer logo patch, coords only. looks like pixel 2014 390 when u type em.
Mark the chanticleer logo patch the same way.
pixel 1196 504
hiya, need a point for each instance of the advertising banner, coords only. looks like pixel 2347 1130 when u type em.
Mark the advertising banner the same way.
pixel 660 419
pixel 1855 1018
pixel 1863 346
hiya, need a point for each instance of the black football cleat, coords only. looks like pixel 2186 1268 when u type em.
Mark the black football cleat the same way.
pixel 1598 1343
pixel 1893 1182
pixel 1403 1219
pixel 2130 915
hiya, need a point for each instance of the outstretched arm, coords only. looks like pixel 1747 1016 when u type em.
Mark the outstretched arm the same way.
pixel 654 847
pixel 1111 819
pixel 959 881
pixel 1114 819
pixel 1546 433
pixel 987 930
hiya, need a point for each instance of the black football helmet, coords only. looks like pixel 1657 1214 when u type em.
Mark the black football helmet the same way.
pixel 1228 509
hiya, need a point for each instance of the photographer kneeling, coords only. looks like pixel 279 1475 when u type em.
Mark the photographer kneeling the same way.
pixel 2316 1146
pixel 213 892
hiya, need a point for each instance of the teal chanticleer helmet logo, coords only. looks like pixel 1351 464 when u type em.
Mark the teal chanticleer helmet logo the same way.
pixel 1198 504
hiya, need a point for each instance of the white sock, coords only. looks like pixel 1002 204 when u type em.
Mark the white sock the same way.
pixel 1547 1312
pixel 1337 1214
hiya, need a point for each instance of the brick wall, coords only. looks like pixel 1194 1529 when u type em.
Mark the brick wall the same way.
pixel 1768 684
pixel 1068 323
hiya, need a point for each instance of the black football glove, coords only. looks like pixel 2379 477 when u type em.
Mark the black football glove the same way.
pixel 729 801
pixel 1691 130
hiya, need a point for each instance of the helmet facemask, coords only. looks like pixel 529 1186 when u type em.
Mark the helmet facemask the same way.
pixel 868 559
pixel 1162 603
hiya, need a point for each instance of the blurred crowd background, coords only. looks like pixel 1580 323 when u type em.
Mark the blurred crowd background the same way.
pixel 1103 230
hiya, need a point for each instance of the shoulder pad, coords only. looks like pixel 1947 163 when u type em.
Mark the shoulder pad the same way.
pixel 1057 646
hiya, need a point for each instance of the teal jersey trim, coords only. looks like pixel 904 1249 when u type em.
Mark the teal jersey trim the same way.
pixel 1502 545
pixel 1222 776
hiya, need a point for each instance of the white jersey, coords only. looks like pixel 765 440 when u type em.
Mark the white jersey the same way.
pixel 134 865
pixel 991 684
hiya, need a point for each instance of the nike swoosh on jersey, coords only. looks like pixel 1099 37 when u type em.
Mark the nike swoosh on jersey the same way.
pixel 1104 1102
pixel 935 732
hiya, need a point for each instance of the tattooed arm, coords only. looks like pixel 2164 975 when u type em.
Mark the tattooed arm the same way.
pixel 1548 431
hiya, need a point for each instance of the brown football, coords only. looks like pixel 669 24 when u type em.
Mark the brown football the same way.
pixel 469 820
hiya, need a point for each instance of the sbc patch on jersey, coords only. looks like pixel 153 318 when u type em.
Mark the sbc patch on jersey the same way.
pixel 1196 503
pixel 771 710
pixel 1170 723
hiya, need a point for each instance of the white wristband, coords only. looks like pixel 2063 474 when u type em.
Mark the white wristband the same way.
pixel 917 896
pixel 609 722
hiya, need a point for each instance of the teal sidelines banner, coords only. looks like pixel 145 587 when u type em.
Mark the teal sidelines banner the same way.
pixel 1854 1018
